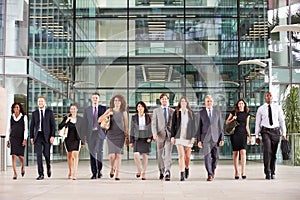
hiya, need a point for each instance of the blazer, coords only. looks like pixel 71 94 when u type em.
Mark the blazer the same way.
pixel 78 125
pixel 159 127
pixel 176 126
pixel 48 125
pixel 210 131
pixel 88 122
pixel 134 128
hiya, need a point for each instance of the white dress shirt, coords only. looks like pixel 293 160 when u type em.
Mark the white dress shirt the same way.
pixel 142 122
pixel 262 118
pixel 17 119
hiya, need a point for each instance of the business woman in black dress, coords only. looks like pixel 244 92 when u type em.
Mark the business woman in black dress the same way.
pixel 141 137
pixel 239 138
pixel 16 136
pixel 73 141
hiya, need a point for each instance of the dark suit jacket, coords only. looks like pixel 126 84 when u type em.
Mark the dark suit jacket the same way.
pixel 176 126
pixel 78 125
pixel 49 124
pixel 134 128
pixel 88 122
pixel 210 131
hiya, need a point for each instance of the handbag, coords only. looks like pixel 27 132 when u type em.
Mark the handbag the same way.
pixel 229 128
pixel 63 132
pixel 105 124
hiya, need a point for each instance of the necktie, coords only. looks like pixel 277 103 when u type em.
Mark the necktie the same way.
pixel 209 115
pixel 270 115
pixel 95 118
pixel 165 114
pixel 42 121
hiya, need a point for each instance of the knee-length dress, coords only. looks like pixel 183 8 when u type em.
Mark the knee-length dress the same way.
pixel 116 134
pixel 72 143
pixel 239 138
pixel 16 135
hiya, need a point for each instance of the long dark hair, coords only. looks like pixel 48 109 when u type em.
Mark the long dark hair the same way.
pixel 187 106
pixel 142 104
pixel 21 108
pixel 236 107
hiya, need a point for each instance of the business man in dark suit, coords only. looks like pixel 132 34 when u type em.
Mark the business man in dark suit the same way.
pixel 42 132
pixel 210 135
pixel 95 135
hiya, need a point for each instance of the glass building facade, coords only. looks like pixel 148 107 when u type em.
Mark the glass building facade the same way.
pixel 68 49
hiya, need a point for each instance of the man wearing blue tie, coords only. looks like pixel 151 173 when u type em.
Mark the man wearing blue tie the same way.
pixel 210 135
pixel 161 130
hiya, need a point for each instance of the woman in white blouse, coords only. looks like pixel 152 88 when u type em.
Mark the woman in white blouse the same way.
pixel 16 136
pixel 141 137
pixel 183 135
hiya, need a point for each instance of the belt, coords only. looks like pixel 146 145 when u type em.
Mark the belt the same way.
pixel 270 129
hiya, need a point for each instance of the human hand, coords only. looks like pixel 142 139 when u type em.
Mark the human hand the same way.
pixel 234 117
pixel 257 140
pixel 172 140
pixel 24 142
pixel 221 143
pixel 148 140
pixel 192 140
pixel 200 145
pixel 32 142
pixel 8 144
pixel 51 140
pixel 154 137
pixel 131 144
pixel 249 140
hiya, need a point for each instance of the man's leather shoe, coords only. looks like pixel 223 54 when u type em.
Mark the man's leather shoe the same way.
pixel 40 177
pixel 94 176
pixel 268 177
pixel 49 173
pixel 272 176
pixel 167 176
pixel 99 175
pixel 209 178
pixel 161 176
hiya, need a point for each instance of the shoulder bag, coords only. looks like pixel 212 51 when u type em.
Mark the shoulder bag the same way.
pixel 105 124
pixel 229 128
pixel 63 132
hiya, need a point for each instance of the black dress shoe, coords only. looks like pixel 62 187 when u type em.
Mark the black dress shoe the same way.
pixel 94 176
pixel 167 176
pixel 161 176
pixel 14 177
pixel 117 179
pixel 268 177
pixel 99 175
pixel 49 173
pixel 244 177
pixel 40 177
pixel 272 176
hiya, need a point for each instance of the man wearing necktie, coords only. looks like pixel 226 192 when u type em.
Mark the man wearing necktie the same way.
pixel 161 130
pixel 95 135
pixel 210 135
pixel 269 121
pixel 42 132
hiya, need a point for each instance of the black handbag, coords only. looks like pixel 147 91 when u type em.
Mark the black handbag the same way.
pixel 229 128
pixel 285 149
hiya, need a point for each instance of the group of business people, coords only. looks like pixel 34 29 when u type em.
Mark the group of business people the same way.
pixel 167 127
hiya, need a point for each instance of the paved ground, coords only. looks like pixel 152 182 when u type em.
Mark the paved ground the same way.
pixel 285 186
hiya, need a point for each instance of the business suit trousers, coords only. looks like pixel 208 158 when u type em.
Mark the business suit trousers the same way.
pixel 211 156
pixel 270 139
pixel 95 145
pixel 41 147
pixel 164 153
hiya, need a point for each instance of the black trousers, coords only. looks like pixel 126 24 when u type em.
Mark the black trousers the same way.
pixel 41 147
pixel 270 139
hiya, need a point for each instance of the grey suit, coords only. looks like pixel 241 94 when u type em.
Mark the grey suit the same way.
pixel 163 131
pixel 95 138
pixel 210 133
